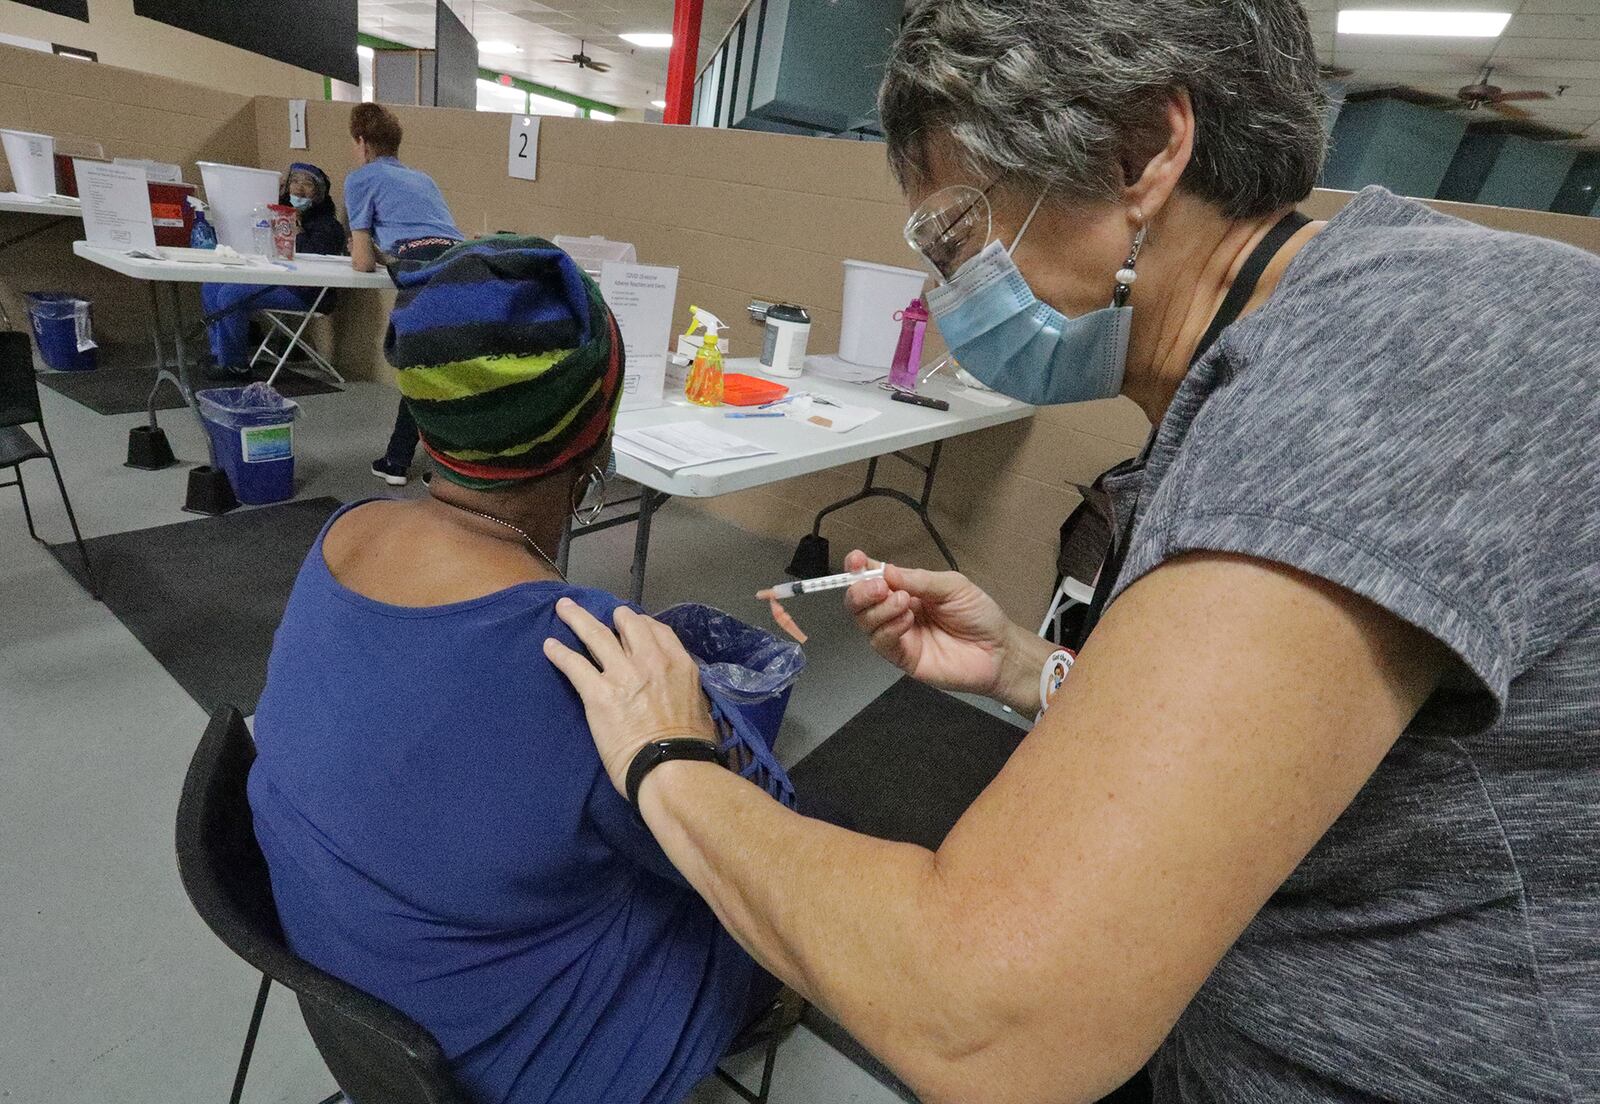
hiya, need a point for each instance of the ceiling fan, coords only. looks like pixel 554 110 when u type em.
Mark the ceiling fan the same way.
pixel 1484 94
pixel 583 60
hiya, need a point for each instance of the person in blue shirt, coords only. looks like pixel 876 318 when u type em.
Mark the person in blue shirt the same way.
pixel 438 827
pixel 306 189
pixel 396 212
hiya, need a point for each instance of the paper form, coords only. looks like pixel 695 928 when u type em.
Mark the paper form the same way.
pixel 679 445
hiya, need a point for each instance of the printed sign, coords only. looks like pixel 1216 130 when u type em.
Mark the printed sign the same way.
pixel 116 205
pixel 641 297
pixel 522 160
pixel 297 124
pixel 259 444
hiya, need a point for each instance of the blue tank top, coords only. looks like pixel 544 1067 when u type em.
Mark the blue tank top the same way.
pixel 441 834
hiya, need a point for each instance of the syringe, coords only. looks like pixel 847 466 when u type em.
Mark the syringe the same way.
pixel 817 586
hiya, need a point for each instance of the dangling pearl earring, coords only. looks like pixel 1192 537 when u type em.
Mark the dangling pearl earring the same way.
pixel 1126 276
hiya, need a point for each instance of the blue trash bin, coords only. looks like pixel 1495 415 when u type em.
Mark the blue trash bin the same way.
pixel 252 438
pixel 752 669
pixel 55 318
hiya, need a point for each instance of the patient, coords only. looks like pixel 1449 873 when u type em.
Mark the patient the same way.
pixel 439 830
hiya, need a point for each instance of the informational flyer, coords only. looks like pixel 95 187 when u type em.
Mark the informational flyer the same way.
pixel 642 298
pixel 116 206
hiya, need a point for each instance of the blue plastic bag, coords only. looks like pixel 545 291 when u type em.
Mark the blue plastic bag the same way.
pixel 748 673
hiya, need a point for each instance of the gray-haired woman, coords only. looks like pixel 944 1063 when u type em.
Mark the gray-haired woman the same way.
pixel 1316 815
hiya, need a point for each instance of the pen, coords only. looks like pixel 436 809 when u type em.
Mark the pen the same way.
pixel 757 414
pixel 827 582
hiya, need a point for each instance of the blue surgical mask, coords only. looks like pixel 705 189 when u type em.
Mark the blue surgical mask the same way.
pixel 301 202
pixel 1019 345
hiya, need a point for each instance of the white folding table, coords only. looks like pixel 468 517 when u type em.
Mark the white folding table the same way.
pixel 304 271
pixel 801 449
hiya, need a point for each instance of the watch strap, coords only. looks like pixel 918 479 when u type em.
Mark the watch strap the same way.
pixel 653 754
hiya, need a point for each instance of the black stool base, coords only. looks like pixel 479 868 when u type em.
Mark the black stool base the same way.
pixel 210 492
pixel 148 449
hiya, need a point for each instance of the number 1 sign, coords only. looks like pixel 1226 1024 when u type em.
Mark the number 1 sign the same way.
pixel 297 124
pixel 523 158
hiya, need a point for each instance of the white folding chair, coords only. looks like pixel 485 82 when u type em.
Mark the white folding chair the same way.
pixel 292 324
pixel 1070 593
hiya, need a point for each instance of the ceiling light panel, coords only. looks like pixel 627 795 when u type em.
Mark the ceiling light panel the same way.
pixel 1423 24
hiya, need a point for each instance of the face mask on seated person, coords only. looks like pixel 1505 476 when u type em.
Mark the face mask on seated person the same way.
pixel 301 202
pixel 1021 346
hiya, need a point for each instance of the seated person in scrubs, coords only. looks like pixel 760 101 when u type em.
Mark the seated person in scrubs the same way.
pixel 439 829
pixel 396 213
pixel 305 188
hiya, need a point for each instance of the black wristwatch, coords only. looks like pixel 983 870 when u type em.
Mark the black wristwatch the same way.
pixel 653 755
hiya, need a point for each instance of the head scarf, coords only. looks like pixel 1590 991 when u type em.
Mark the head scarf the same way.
pixel 304 170
pixel 509 360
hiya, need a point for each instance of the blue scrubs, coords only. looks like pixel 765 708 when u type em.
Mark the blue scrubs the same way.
pixel 396 203
pixel 230 334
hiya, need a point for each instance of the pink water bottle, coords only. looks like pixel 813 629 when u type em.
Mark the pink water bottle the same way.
pixel 908 354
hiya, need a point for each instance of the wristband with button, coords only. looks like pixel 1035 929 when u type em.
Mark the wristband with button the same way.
pixel 1055 672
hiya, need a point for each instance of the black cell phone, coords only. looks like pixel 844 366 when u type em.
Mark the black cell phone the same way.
pixel 920 400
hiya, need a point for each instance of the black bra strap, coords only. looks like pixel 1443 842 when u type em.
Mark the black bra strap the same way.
pixel 1249 276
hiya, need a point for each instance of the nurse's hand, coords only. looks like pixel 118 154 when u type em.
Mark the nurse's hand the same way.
pixel 638 684
pixel 942 629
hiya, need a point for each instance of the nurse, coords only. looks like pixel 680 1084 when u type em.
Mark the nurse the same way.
pixel 396 213
pixel 1315 817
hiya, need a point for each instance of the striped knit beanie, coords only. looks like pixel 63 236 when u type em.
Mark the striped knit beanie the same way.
pixel 509 360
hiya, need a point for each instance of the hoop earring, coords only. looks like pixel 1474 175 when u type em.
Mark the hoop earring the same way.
pixel 596 475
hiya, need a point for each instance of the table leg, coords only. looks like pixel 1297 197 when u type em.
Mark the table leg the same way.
pixel 649 502
pixel 19 238
pixel 919 506
pixel 564 549
pixel 175 372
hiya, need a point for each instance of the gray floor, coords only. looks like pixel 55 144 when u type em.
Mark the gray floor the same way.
pixel 110 987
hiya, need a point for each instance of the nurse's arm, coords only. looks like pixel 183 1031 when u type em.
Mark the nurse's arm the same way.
pixel 363 254
pixel 1223 715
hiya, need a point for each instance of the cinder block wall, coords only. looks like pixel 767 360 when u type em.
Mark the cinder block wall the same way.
pixel 131 115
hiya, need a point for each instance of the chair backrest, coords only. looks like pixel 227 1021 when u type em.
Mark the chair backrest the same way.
pixel 19 389
pixel 375 1052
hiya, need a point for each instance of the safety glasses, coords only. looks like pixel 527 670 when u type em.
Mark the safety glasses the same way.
pixel 950 228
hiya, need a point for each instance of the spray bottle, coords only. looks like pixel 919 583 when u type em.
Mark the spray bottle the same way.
pixel 705 377
pixel 203 235
pixel 690 341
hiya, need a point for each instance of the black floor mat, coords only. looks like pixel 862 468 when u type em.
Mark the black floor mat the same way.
pixel 206 596
pixel 905 768
pixel 125 389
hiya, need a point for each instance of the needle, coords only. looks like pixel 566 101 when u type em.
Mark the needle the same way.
pixel 826 582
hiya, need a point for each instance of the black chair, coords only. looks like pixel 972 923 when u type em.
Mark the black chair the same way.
pixel 376 1054
pixel 19 405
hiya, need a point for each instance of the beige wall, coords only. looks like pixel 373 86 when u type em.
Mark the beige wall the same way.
pixel 743 215
pixel 119 37
pixel 132 115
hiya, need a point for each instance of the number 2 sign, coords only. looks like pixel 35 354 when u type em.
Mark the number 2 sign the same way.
pixel 523 158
